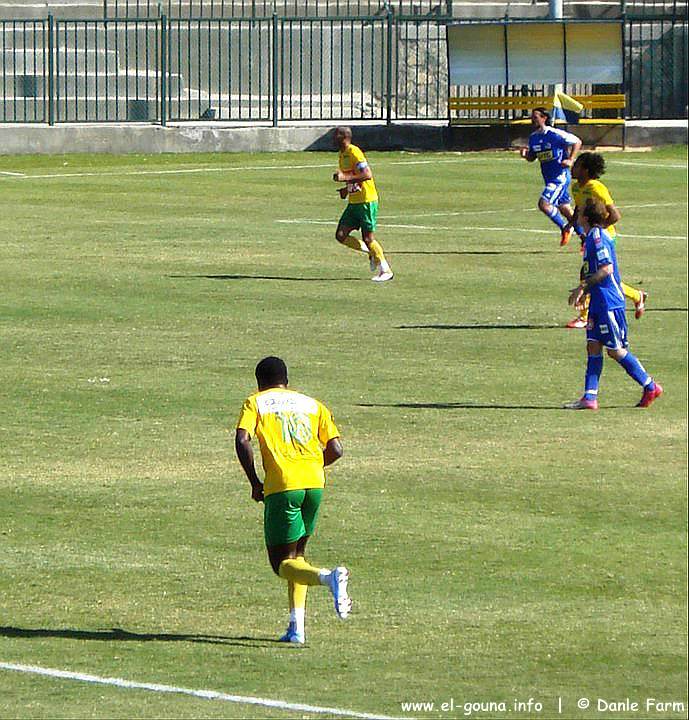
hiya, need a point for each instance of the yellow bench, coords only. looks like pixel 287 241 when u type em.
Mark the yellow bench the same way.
pixel 611 101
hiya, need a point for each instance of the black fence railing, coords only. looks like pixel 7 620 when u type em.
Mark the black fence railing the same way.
pixel 278 69
pixel 215 9
pixel 656 56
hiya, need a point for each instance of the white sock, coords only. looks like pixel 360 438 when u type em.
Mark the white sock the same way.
pixel 324 576
pixel 384 267
pixel 296 618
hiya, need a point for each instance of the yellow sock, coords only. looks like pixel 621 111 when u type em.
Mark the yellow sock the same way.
pixel 377 251
pixel 297 595
pixel 632 293
pixel 353 242
pixel 299 572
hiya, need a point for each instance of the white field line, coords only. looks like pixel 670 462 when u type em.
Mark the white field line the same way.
pixel 507 211
pixel 537 231
pixel 673 166
pixel 439 161
pixel 205 694
pixel 653 237
pixel 457 213
pixel 176 171
pixel 236 168
pixel 233 168
pixel 648 205
pixel 298 221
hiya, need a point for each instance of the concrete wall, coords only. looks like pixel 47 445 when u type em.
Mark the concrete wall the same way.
pixel 140 138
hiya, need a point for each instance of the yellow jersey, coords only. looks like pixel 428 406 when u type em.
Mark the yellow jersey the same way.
pixel 596 190
pixel 353 159
pixel 292 430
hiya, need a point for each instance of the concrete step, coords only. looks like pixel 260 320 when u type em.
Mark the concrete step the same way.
pixel 30 60
pixel 82 109
pixel 190 107
pixel 21 9
pixel 131 84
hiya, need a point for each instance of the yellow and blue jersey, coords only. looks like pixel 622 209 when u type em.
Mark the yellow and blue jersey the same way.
pixel 353 159
pixel 596 190
pixel 599 250
pixel 292 430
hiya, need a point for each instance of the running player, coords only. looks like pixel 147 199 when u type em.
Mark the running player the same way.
pixel 586 171
pixel 298 437
pixel 607 323
pixel 362 209
pixel 555 149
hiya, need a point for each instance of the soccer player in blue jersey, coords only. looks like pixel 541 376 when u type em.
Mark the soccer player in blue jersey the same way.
pixel 607 323
pixel 555 149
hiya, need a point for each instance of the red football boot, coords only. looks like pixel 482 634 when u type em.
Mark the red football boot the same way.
pixel 565 235
pixel 650 395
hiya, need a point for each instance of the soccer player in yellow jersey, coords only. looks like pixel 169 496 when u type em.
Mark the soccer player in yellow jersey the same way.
pixel 362 208
pixel 587 169
pixel 298 438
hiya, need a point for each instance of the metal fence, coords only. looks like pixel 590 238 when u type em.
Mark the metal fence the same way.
pixel 657 52
pixel 465 9
pixel 274 69
pixel 267 8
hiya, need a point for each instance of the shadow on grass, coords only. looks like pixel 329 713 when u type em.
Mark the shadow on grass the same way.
pixel 479 406
pixel 655 309
pixel 287 278
pixel 479 327
pixel 458 406
pixel 475 252
pixel 119 635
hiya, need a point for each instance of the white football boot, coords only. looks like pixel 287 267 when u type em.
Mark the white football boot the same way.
pixel 383 275
pixel 338 580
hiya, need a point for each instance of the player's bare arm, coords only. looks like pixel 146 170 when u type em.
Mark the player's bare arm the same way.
pixel 578 292
pixel 245 454
pixel 575 220
pixel 353 175
pixel 333 451
pixel 572 151
pixel 614 215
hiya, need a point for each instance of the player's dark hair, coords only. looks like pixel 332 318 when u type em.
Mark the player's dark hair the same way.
pixel 595 211
pixel 271 371
pixel 344 130
pixel 545 113
pixel 593 163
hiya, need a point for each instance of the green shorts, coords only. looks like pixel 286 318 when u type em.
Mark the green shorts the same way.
pixel 290 515
pixel 360 215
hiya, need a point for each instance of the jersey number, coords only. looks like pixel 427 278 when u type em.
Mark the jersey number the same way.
pixel 295 427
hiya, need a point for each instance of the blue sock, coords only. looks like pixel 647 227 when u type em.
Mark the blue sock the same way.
pixel 594 367
pixel 636 370
pixel 578 229
pixel 554 215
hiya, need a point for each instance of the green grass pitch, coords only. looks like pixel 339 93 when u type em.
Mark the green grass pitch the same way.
pixel 501 549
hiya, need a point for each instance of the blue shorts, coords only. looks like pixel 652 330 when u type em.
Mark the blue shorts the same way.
pixel 609 329
pixel 557 193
